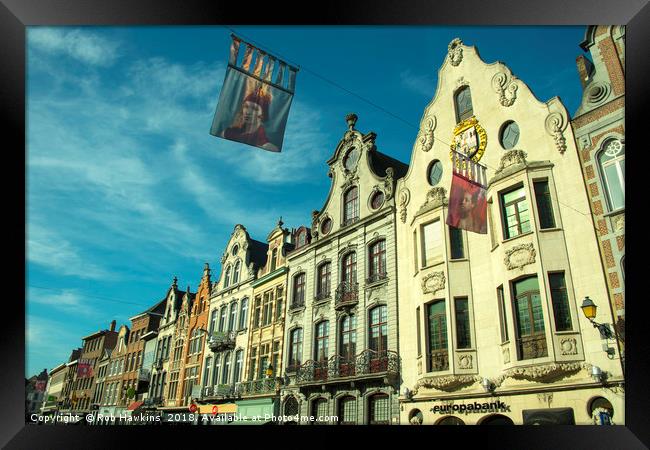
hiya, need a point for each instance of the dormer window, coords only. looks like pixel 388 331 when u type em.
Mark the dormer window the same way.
pixel 302 238
pixel 274 258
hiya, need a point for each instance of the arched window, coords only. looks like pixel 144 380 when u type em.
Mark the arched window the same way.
pixel 226 281
pixel 377 256
pixel 379 410
pixel 295 349
pixel 206 373
pixel 291 406
pixel 531 338
pixel 298 290
pixel 321 340
pixel 349 268
pixel 612 167
pixel 233 317
pixel 348 345
pixel 222 319
pixel 437 334
pixel 239 361
pixel 217 370
pixel 235 277
pixel 351 206
pixel 319 411
pixel 463 103
pixel 226 368
pixel 323 282
pixel 213 321
pixel 243 313
pixel 347 410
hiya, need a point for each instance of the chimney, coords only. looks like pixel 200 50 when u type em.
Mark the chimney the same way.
pixel 585 69
pixel 112 325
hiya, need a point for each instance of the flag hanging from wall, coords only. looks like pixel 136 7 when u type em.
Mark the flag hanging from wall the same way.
pixel 467 202
pixel 255 98
pixel 84 368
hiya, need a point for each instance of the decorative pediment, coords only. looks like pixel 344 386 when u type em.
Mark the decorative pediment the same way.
pixel 519 256
pixel 436 197
pixel 511 158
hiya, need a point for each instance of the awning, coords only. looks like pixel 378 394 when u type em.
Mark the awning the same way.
pixel 135 405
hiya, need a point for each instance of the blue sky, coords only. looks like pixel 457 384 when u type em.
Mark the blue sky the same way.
pixel 126 188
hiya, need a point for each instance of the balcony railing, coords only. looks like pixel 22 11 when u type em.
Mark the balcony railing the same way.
pixel 366 363
pixel 256 387
pixel 322 295
pixel 376 277
pixel 438 360
pixel 222 340
pixel 347 294
pixel 532 346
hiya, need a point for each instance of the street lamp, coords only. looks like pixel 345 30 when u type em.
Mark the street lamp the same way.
pixel 589 309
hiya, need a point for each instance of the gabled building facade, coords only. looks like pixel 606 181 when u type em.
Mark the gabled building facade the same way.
pixel 341 341
pixel 599 127
pixel 114 397
pixel 230 308
pixel 491 327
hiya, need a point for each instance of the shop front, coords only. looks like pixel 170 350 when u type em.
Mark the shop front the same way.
pixel 258 411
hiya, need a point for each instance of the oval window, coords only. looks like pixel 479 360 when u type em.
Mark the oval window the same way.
pixel 435 172
pixel 509 135
pixel 326 226
pixel 377 200
pixel 351 158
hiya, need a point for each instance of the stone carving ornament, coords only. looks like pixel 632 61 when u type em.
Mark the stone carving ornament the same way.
pixel 433 282
pixel 404 198
pixel 388 183
pixel 445 382
pixel 519 256
pixel 511 158
pixel 455 52
pixel 465 362
pixel 501 84
pixel 555 125
pixel 543 373
pixel 569 346
pixel 436 197
pixel 425 136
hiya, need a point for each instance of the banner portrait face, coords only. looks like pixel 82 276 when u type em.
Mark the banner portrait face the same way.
pixel 467 206
pixel 251 111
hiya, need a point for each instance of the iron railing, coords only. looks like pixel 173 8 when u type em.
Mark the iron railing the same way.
pixel 438 360
pixel 222 340
pixel 347 293
pixel 532 346
pixel 368 362
pixel 376 277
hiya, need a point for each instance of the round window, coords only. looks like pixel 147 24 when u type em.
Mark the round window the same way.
pixel 351 158
pixel 435 173
pixel 326 226
pixel 509 135
pixel 377 200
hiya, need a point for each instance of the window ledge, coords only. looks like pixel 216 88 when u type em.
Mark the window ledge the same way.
pixel 560 333
pixel 430 266
pixel 547 230
pixel 614 213
pixel 517 237
pixel 459 260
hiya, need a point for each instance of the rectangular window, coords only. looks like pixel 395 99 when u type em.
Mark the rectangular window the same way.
pixel 257 312
pixel 437 336
pixel 432 243
pixel 463 335
pixel 417 327
pixel 279 297
pixel 502 314
pixel 544 205
pixel 516 216
pixel 560 299
pixel 530 319
pixel 456 241
pixel 267 309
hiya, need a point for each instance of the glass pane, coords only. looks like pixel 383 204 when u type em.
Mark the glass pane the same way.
pixel 524 317
pixel 614 187
pixel 537 313
pixel 433 243
pixel 456 238
pixel 435 173
pixel 514 195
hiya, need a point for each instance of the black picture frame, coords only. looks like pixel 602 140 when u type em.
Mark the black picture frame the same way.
pixel 15 15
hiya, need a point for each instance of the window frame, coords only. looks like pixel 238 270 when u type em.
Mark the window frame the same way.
pixel 351 212
pixel 465 114
pixel 503 211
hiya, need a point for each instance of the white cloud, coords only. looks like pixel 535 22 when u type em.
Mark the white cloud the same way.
pixel 48 342
pixel 46 248
pixel 421 84
pixel 66 301
pixel 82 45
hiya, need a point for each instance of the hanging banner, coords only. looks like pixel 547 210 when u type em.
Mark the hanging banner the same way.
pixel 84 368
pixel 252 109
pixel 467 201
